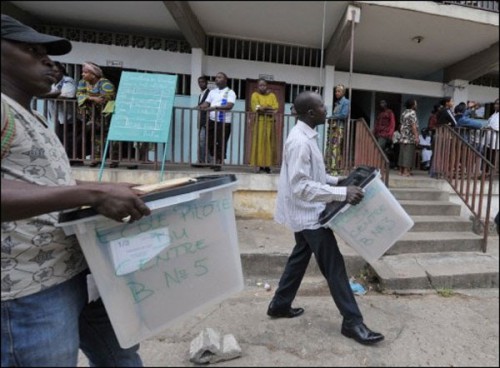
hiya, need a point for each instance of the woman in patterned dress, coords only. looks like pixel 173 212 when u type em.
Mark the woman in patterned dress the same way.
pixel 409 137
pixel 336 125
pixel 95 90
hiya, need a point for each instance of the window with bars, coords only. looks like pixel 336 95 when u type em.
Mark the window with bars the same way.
pixel 291 90
pixel 489 80
pixel 233 48
pixel 117 39
pixel 262 51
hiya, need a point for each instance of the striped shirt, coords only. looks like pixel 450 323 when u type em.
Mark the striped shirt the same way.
pixel 304 187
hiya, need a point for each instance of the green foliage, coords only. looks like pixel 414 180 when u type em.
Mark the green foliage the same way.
pixel 445 292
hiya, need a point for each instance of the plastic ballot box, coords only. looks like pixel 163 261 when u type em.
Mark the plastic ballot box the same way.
pixel 375 224
pixel 166 266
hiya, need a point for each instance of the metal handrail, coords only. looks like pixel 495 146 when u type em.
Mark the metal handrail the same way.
pixel 84 140
pixel 455 158
pixel 467 171
pixel 365 149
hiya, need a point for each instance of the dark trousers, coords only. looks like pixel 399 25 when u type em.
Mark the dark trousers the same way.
pixel 323 244
pixel 217 138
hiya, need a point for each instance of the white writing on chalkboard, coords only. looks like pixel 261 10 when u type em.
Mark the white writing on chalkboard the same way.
pixel 143 107
pixel 157 241
pixel 199 262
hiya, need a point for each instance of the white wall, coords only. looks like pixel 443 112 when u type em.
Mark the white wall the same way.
pixel 166 61
pixel 243 69
pixel 482 94
pixel 144 59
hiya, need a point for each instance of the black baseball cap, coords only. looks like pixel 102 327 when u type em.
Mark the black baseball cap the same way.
pixel 13 30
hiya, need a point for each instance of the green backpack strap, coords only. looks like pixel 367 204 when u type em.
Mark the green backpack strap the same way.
pixel 8 128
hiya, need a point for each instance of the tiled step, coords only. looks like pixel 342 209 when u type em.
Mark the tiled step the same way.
pixel 433 242
pixel 430 208
pixel 445 270
pixel 440 223
pixel 426 194
pixel 271 265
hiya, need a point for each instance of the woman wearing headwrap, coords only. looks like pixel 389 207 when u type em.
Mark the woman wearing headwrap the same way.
pixel 94 90
pixel 337 121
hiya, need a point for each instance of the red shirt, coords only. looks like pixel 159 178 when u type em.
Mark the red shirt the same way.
pixel 385 124
pixel 433 120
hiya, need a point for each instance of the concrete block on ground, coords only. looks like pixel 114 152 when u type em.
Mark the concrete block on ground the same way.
pixel 205 346
pixel 230 348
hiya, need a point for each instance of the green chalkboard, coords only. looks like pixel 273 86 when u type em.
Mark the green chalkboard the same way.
pixel 143 108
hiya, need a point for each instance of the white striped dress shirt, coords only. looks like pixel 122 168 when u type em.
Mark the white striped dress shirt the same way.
pixel 304 187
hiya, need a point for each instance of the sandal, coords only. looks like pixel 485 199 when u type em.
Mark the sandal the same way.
pixel 114 164
pixel 94 163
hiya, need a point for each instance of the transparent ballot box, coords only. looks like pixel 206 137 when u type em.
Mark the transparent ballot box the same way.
pixel 375 224
pixel 166 266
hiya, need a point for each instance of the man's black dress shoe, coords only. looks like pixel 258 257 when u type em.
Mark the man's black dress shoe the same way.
pixel 289 313
pixel 362 334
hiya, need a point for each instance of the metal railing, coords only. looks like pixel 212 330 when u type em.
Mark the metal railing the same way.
pixel 362 149
pixel 84 138
pixel 458 158
pixel 84 141
pixel 466 158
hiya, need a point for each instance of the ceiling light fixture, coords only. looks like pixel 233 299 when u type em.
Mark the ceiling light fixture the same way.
pixel 417 39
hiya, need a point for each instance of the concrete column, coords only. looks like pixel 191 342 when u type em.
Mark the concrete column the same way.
pixel 373 109
pixel 328 92
pixel 196 71
pixel 459 90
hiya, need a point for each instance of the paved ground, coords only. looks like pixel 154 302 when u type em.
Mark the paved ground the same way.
pixel 422 329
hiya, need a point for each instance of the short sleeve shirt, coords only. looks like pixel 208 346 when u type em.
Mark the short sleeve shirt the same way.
pixel 35 253
pixel 215 98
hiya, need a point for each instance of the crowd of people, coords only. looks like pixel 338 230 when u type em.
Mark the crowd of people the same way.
pixel 46 313
pixel 399 140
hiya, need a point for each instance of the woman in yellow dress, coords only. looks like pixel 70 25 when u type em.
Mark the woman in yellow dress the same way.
pixel 264 104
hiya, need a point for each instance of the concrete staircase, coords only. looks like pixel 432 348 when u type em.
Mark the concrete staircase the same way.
pixel 441 251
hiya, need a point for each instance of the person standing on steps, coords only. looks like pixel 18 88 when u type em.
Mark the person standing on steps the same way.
pixel 384 126
pixel 304 189
pixel 263 105
pixel 336 125
pixel 409 138
pixel 202 123
pixel 219 103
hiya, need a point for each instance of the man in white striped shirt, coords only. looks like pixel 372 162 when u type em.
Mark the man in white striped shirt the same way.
pixel 304 188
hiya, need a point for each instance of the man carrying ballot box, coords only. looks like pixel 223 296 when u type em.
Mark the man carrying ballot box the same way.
pixel 304 188
pixel 46 316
